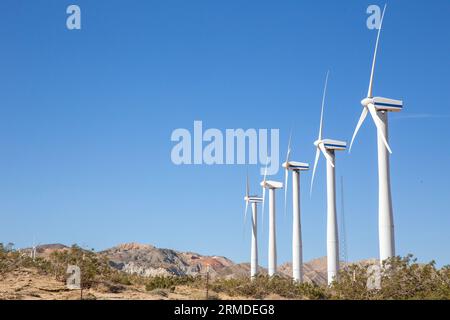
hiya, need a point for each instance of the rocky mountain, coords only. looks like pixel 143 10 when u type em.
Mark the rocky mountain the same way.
pixel 147 260
pixel 314 271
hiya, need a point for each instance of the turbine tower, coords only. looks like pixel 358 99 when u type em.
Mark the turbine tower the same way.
pixel 343 231
pixel 272 186
pixel 253 200
pixel 378 108
pixel 297 249
pixel 328 148
pixel 33 250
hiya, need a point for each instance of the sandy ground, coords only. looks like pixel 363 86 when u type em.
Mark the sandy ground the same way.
pixel 27 284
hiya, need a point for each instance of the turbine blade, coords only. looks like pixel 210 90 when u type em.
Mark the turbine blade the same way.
pixel 286 173
pixel 323 103
pixel 245 219
pixel 264 191
pixel 326 154
pixel 360 122
pixel 289 147
pixel 314 170
pixel 245 212
pixel 286 179
pixel 254 229
pixel 379 125
pixel 372 72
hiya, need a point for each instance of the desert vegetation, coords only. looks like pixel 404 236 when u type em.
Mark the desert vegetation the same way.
pixel 94 268
pixel 401 278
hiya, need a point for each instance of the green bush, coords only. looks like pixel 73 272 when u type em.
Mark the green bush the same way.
pixel 262 286
pixel 161 282
pixel 401 278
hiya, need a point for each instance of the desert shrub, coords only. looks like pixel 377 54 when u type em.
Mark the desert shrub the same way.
pixel 121 278
pixel 162 282
pixel 352 283
pixel 11 259
pixel 262 286
pixel 92 266
pixel 401 278
pixel 5 261
pixel 404 278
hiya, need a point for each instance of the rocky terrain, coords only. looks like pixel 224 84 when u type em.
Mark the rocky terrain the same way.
pixel 143 260
pixel 27 284
pixel 141 271
pixel 147 260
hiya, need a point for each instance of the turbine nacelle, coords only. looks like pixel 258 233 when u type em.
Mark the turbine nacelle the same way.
pixel 269 184
pixel 295 165
pixel 374 104
pixel 387 104
pixel 330 144
pixel 253 199
pixel 383 104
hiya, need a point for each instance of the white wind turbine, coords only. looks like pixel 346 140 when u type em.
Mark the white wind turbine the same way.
pixel 254 200
pixel 297 250
pixel 272 186
pixel 378 108
pixel 33 250
pixel 328 148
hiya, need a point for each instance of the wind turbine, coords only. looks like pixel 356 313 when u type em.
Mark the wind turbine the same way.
pixel 297 251
pixel 33 250
pixel 328 148
pixel 254 200
pixel 378 108
pixel 272 186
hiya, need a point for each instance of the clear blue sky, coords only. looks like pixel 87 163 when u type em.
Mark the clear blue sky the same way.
pixel 86 118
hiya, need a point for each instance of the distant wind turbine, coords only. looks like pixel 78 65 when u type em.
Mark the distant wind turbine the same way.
pixel 272 186
pixel 33 250
pixel 297 250
pixel 253 200
pixel 328 148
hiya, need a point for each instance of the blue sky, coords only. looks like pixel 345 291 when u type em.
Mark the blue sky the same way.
pixel 86 118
